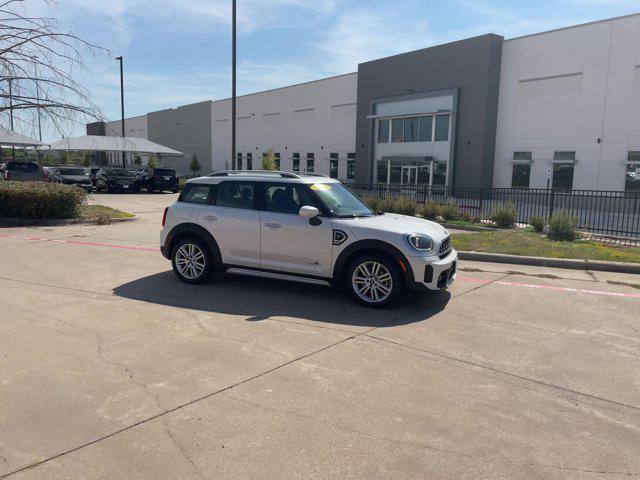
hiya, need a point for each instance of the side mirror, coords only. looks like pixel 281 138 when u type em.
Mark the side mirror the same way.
pixel 308 212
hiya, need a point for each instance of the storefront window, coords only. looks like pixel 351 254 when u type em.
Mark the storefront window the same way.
pixel 439 173
pixel 396 173
pixel 383 171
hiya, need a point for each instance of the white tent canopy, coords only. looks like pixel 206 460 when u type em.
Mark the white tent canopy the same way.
pixel 10 138
pixel 96 143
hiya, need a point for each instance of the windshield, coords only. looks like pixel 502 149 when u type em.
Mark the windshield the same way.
pixel 72 171
pixel 119 172
pixel 339 201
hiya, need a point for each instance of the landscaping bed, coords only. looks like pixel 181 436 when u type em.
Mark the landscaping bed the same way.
pixel 530 243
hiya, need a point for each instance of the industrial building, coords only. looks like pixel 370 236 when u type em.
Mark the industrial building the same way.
pixel 559 108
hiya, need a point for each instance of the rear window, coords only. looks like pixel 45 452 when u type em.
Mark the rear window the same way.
pixel 164 171
pixel 198 193
pixel 22 166
pixel 72 171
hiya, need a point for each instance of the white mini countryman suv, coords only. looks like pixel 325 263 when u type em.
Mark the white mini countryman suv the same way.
pixel 305 227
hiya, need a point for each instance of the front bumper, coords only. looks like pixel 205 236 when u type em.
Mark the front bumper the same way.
pixel 433 273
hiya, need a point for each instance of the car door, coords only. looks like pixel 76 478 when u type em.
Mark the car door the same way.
pixel 289 242
pixel 234 222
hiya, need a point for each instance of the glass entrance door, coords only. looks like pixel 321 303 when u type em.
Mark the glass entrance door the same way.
pixel 409 175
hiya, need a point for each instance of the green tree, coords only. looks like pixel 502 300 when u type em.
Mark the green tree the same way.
pixel 195 166
pixel 269 160
pixel 137 160
pixel 153 162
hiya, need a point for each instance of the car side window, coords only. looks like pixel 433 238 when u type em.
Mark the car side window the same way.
pixel 285 198
pixel 195 193
pixel 235 195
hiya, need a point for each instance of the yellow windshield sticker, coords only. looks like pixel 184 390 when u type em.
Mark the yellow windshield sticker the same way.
pixel 320 186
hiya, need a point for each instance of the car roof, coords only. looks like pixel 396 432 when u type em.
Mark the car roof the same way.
pixel 263 176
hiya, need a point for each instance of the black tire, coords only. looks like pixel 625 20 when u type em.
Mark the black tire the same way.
pixel 174 191
pixel 106 187
pixel 207 270
pixel 387 278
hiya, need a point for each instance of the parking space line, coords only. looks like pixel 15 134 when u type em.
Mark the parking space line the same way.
pixel 551 288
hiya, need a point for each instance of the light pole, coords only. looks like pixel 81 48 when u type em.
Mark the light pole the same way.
pixel 124 154
pixel 233 86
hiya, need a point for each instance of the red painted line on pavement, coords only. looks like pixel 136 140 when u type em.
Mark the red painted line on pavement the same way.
pixel 550 287
pixel 458 279
pixel 79 242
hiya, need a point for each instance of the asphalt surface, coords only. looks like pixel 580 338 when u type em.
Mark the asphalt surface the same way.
pixel 110 368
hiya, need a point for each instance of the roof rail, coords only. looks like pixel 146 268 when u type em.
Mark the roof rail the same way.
pixel 226 173
pixel 312 174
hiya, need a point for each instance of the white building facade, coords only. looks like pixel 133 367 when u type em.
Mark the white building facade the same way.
pixel 559 108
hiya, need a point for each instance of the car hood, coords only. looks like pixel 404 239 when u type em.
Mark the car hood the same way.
pixel 394 223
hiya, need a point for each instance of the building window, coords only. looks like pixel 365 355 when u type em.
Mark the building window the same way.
pixel 277 156
pixel 410 129
pixel 311 162
pixel 522 156
pixel 520 175
pixel 333 165
pixel 239 161
pixel 249 161
pixel 351 166
pixel 563 170
pixel 383 171
pixel 632 176
pixel 383 131
pixel 396 129
pixel 426 127
pixel 296 162
pixel 439 173
pixel 442 128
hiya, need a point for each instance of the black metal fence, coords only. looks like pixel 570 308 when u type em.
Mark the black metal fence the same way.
pixel 603 212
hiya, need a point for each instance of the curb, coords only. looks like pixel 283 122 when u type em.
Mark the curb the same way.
pixel 35 222
pixel 568 263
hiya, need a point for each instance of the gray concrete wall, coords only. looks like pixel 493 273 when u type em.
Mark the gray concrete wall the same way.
pixel 186 129
pixel 471 66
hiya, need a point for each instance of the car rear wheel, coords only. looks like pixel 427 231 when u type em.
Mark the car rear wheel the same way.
pixel 192 261
pixel 374 280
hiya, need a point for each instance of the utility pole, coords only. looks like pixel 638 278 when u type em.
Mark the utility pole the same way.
pixel 124 154
pixel 13 149
pixel 233 86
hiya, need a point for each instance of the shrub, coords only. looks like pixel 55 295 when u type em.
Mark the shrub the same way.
pixel 537 222
pixel 563 226
pixel 449 211
pixel 40 200
pixel 405 206
pixel 505 216
pixel 466 216
pixel 430 210
pixel 372 202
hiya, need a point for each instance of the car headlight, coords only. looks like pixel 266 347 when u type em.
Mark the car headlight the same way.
pixel 420 242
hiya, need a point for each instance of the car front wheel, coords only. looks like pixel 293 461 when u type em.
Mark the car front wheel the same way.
pixel 374 280
pixel 191 261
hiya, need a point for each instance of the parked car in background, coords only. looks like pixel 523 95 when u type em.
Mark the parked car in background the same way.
pixel 160 179
pixel 22 171
pixel 69 176
pixel 118 180
pixel 92 171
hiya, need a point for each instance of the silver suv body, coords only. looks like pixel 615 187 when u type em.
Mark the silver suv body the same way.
pixel 309 228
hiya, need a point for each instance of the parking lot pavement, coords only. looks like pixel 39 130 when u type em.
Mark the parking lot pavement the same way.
pixel 112 368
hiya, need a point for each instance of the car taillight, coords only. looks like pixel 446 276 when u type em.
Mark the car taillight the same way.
pixel 164 215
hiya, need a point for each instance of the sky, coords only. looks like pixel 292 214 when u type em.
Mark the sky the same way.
pixel 179 51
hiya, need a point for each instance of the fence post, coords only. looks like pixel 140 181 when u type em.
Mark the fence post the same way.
pixel 481 202
pixel 551 203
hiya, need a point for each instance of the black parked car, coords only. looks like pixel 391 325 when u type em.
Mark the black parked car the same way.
pixel 117 180
pixel 92 171
pixel 160 179
pixel 69 176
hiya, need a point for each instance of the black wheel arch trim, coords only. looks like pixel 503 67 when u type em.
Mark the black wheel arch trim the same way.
pixel 192 229
pixel 342 261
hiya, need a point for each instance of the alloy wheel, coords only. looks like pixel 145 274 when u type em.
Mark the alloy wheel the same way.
pixel 190 261
pixel 372 281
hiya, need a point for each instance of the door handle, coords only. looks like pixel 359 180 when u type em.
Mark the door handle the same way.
pixel 210 218
pixel 273 225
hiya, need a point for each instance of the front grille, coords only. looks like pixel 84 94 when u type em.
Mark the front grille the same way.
pixel 445 247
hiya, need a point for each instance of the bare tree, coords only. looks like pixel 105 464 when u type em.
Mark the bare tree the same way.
pixel 38 62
